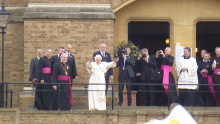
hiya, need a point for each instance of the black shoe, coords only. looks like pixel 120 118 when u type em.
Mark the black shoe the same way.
pixel 119 104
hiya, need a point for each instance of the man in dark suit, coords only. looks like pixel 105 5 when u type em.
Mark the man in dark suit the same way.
pixel 34 78
pixel 71 61
pixel 126 73
pixel 56 58
pixel 147 64
pixel 34 66
pixel 106 57
pixel 137 79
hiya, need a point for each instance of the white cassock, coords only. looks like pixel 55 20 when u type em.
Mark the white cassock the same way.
pixel 187 77
pixel 97 99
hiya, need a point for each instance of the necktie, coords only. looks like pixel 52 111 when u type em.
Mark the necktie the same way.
pixel 103 54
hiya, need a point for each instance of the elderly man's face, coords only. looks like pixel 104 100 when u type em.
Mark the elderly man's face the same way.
pixel 167 51
pixel 63 58
pixel 203 53
pixel 40 53
pixel 103 47
pixel 49 53
pixel 217 51
pixel 98 60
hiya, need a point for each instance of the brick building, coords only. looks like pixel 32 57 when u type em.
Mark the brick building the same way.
pixel 87 23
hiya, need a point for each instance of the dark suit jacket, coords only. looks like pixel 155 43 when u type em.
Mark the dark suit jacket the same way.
pixel 146 68
pixel 72 64
pixel 34 69
pixel 128 66
pixel 106 58
pixel 55 59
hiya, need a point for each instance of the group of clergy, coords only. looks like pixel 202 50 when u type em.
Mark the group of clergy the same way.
pixel 50 74
pixel 195 84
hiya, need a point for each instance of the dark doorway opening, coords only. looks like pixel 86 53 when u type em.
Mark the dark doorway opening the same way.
pixel 207 37
pixel 150 35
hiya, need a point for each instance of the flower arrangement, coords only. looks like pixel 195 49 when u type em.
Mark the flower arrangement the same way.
pixel 134 49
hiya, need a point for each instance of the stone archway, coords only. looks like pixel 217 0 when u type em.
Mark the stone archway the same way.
pixel 118 4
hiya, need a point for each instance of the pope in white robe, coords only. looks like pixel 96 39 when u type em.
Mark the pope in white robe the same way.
pixel 97 70
pixel 187 74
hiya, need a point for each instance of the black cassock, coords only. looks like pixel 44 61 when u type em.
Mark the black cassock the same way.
pixel 62 97
pixel 216 79
pixel 168 60
pixel 204 89
pixel 45 62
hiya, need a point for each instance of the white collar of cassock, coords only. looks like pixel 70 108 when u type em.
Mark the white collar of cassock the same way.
pixel 206 61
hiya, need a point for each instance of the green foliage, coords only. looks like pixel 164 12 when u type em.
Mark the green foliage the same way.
pixel 134 49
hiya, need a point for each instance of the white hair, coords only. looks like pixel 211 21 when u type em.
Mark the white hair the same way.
pixel 63 54
pixel 98 56
pixel 144 50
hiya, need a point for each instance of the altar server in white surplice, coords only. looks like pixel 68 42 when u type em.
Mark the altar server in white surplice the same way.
pixel 187 74
pixel 97 70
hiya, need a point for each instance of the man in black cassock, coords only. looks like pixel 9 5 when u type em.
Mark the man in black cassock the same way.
pixel 61 100
pixel 202 54
pixel 166 62
pixel 72 63
pixel 106 57
pixel 34 78
pixel 56 58
pixel 205 74
pixel 45 71
pixel 216 73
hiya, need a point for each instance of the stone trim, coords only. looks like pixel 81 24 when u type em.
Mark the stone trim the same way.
pixel 69 11
pixel 16 13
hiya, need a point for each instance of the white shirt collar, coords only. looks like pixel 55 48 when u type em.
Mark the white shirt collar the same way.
pixel 102 52
pixel 38 57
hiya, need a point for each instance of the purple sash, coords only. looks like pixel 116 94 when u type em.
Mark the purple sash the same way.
pixel 166 72
pixel 217 70
pixel 46 70
pixel 205 75
pixel 67 78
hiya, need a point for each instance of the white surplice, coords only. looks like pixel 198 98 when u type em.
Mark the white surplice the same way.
pixel 97 99
pixel 189 76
